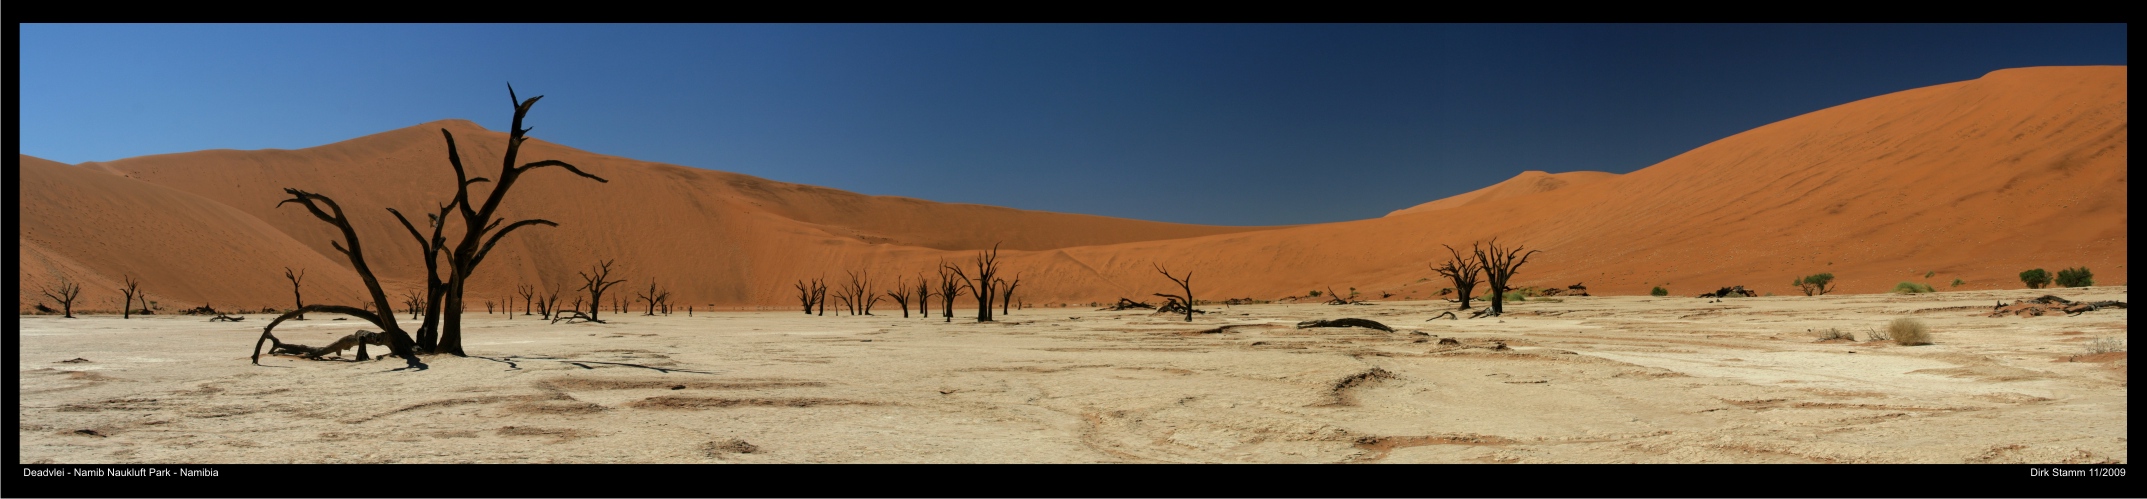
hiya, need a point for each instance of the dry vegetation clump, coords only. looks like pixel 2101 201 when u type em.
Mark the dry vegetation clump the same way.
pixel 2106 344
pixel 1909 331
pixel 1831 334
pixel 1910 288
pixel 1876 335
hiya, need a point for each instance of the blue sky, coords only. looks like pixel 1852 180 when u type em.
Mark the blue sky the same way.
pixel 1210 124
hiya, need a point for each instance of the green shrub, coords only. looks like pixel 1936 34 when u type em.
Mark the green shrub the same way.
pixel 1516 295
pixel 1908 331
pixel 1815 284
pixel 1315 293
pixel 1956 283
pixel 2035 278
pixel 1927 275
pixel 1910 288
pixel 1658 291
pixel 2074 278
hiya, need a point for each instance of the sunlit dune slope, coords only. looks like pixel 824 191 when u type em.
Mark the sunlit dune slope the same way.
pixel 1527 183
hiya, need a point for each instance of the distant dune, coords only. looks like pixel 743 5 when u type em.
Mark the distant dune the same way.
pixel 1974 180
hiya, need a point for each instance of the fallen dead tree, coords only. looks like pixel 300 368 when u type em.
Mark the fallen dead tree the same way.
pixel 574 315
pixel 356 340
pixel 1173 306
pixel 1128 304
pixel 2050 304
pixel 220 317
pixel 1449 315
pixel 1345 322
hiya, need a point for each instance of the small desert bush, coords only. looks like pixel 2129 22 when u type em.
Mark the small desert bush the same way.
pixel 2077 277
pixel 1909 331
pixel 1516 295
pixel 1658 291
pixel 1910 288
pixel 1957 283
pixel 1927 275
pixel 2035 278
pixel 1876 335
pixel 2106 345
pixel 1834 334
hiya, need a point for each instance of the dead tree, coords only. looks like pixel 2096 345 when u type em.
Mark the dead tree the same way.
pixel 1499 265
pixel 1006 297
pixel 133 287
pixel 383 312
pixel 544 304
pixel 528 292
pixel 950 286
pixel 428 332
pixel 295 296
pixel 860 293
pixel 1577 290
pixel 478 219
pixel 820 295
pixel 806 294
pixel 412 304
pixel 982 285
pixel 924 294
pixel 67 294
pixel 1463 271
pixel 901 295
pixel 594 282
pixel 654 298
pixel 1185 284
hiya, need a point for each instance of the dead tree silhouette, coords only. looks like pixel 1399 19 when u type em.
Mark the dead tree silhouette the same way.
pixel 924 294
pixel 860 294
pixel 132 288
pixel 475 244
pixel 593 280
pixel 428 332
pixel 1185 284
pixel 1006 298
pixel 981 286
pixel 820 295
pixel 1463 271
pixel 413 304
pixel 528 292
pixel 295 296
pixel 950 286
pixel 654 297
pixel 808 294
pixel 68 292
pixel 1499 265
pixel 383 312
pixel 901 295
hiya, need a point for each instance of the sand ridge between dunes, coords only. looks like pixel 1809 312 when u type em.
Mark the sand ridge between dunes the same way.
pixel 1578 379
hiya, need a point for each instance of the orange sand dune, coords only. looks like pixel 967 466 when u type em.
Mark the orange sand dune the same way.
pixel 1974 180
pixel 1527 183
pixel 95 229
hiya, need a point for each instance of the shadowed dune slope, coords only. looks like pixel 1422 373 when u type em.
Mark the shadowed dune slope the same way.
pixel 1974 180
pixel 1527 183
